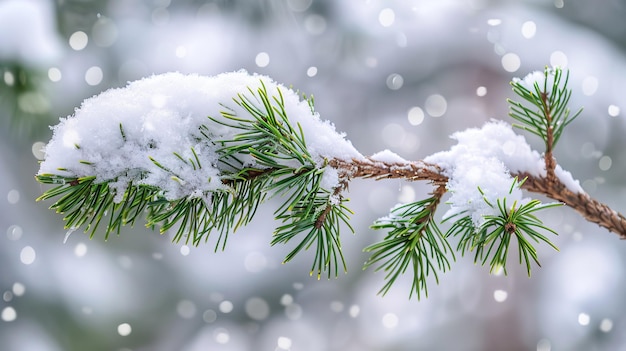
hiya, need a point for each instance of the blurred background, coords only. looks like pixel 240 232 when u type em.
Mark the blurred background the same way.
pixel 397 74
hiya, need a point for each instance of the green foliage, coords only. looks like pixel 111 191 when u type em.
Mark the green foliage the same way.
pixel 492 239
pixel 547 112
pixel 86 202
pixel 320 220
pixel 413 241
pixel 277 145
pixel 311 214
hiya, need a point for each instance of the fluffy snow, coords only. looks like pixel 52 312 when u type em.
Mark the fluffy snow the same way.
pixel 497 140
pixel 387 157
pixel 28 32
pixel 486 158
pixel 538 77
pixel 160 116
pixel 568 180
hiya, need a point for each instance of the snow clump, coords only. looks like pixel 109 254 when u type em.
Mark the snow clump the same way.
pixel 539 78
pixel 486 158
pixel 388 156
pixel 141 132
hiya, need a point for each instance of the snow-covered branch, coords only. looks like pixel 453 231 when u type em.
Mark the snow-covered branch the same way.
pixel 566 191
pixel 591 209
pixel 197 155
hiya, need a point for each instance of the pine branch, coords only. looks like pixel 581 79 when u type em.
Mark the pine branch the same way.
pixel 414 241
pixel 266 154
pixel 369 168
pixel 547 114
pixel 264 141
pixel 591 209
pixel 85 202
pixel 516 220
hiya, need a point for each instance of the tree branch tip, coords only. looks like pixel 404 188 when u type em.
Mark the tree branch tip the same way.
pixel 276 143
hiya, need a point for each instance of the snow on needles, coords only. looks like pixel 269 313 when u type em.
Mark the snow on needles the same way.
pixel 485 158
pixel 119 134
pixel 539 78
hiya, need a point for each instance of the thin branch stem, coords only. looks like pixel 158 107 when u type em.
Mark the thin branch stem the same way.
pixel 591 209
pixel 588 207
pixel 384 170
pixel 549 157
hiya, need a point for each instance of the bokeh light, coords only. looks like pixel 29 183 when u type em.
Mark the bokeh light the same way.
pixel 79 40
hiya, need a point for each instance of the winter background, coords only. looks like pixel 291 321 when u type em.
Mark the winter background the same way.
pixel 400 74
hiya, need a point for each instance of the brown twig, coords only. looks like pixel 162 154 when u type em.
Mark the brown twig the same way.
pixel 549 157
pixel 588 207
pixel 384 170
pixel 591 209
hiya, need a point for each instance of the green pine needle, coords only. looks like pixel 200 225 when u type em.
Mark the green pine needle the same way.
pixel 84 201
pixel 491 241
pixel 268 157
pixel 320 228
pixel 308 211
pixel 310 214
pixel 413 241
pixel 545 106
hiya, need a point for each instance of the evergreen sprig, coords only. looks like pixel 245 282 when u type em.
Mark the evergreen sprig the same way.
pixel 414 241
pixel 265 155
pixel 546 111
pixel 84 201
pixel 491 240
pixel 290 171
pixel 320 221
pixel 283 167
